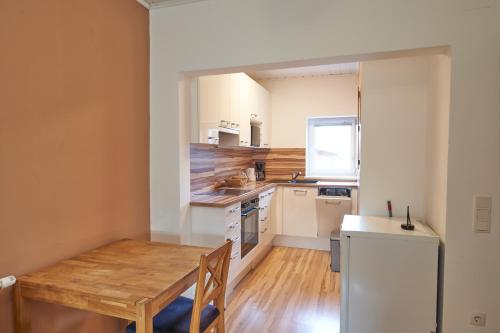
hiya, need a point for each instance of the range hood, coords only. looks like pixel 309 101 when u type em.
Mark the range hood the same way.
pixel 222 136
pixel 228 130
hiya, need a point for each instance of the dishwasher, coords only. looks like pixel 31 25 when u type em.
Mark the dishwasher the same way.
pixel 332 203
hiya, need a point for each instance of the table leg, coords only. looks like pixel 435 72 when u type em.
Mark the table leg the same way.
pixel 22 315
pixel 144 317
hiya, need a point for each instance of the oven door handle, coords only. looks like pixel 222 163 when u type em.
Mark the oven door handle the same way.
pixel 250 212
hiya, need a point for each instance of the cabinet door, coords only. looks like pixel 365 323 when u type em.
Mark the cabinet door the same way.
pixel 265 117
pixel 239 105
pixel 214 100
pixel 299 212
pixel 277 211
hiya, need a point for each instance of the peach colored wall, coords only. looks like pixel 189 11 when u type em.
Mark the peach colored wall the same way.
pixel 74 139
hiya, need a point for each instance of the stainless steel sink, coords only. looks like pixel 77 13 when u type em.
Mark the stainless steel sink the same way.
pixel 297 181
pixel 303 181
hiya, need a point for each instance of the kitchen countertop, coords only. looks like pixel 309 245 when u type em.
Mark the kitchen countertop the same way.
pixel 224 200
pixel 214 199
pixel 318 184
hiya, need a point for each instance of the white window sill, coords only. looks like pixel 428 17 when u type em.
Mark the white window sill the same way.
pixel 332 178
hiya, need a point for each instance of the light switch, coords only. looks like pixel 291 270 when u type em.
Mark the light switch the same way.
pixel 482 214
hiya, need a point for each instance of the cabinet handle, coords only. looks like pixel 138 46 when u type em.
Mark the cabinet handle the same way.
pixel 336 203
pixel 235 239
pixel 300 191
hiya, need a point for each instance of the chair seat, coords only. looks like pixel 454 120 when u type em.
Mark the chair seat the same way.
pixel 176 317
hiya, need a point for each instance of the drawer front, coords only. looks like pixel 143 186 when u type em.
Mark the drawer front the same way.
pixel 233 229
pixel 264 225
pixel 265 201
pixel 235 237
pixel 236 249
pixel 233 212
pixel 262 196
pixel 232 219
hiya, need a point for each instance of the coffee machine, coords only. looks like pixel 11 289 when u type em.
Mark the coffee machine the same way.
pixel 260 173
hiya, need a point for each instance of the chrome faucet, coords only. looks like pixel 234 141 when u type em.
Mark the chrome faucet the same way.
pixel 296 174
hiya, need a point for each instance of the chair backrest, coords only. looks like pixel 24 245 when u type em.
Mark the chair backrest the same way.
pixel 216 266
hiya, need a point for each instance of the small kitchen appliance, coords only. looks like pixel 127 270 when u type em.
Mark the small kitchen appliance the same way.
pixel 250 174
pixel 260 173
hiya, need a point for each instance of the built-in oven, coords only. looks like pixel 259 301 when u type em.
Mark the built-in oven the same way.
pixel 249 225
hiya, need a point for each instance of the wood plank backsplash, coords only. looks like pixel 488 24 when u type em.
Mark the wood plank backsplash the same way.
pixel 282 162
pixel 211 164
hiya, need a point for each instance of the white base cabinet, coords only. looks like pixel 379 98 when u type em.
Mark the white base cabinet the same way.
pixel 266 233
pixel 212 226
pixel 299 211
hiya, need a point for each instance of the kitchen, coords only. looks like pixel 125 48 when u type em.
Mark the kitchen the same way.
pixel 265 174
pixel 108 172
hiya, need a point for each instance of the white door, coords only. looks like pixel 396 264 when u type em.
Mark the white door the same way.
pixel 299 211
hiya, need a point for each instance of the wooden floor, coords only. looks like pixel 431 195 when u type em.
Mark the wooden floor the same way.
pixel 292 290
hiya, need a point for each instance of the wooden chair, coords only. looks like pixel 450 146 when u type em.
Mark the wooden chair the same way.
pixel 185 315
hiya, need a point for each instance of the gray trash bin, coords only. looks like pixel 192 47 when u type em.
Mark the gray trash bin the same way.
pixel 335 251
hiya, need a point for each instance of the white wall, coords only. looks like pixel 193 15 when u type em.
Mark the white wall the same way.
pixel 296 98
pixel 437 144
pixel 395 108
pixel 405 140
pixel 234 35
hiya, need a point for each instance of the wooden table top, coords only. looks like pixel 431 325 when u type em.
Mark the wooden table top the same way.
pixel 125 271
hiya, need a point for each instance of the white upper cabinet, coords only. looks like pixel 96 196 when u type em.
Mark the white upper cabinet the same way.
pixel 214 99
pixel 231 101
pixel 263 111
pixel 240 105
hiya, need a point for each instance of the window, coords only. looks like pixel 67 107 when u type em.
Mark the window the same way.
pixel 331 147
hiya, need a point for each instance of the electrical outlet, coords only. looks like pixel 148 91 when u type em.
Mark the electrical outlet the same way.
pixel 478 319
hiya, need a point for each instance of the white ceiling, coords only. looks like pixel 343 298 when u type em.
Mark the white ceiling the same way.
pixel 334 69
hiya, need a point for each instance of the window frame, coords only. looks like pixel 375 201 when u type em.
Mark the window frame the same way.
pixel 332 121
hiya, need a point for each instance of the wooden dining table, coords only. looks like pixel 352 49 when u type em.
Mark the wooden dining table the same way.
pixel 128 279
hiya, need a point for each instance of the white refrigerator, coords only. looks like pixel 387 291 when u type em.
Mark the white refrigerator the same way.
pixel 389 276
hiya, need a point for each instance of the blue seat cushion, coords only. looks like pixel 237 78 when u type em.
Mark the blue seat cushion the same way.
pixel 176 317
